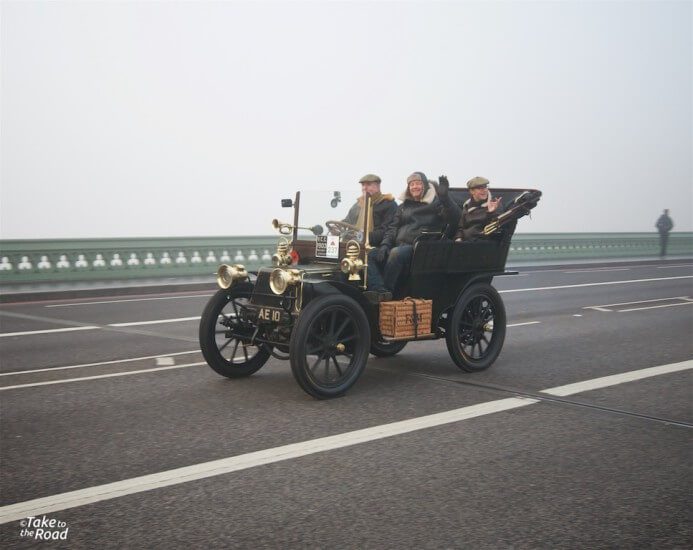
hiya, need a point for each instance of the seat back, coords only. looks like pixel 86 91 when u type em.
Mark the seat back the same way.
pixel 445 256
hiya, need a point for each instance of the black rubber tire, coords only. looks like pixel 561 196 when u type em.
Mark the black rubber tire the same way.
pixel 213 343
pixel 477 305
pixel 386 349
pixel 323 324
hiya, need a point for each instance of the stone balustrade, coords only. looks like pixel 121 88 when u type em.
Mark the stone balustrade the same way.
pixel 93 259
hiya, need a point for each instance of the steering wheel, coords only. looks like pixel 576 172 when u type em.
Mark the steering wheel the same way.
pixel 343 229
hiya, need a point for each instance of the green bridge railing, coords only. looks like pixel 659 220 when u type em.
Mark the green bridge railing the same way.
pixel 24 261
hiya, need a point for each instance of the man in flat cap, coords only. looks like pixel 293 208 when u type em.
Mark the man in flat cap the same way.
pixel 383 208
pixel 477 211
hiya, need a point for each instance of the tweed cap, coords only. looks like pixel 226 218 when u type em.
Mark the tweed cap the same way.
pixel 478 181
pixel 370 178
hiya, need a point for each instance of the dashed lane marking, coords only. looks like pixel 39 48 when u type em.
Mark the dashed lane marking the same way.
pixel 654 307
pixel 682 301
pixel 46 331
pixel 631 281
pixel 161 359
pixel 90 495
pixel 159 321
pixel 117 325
pixel 129 300
pixel 112 362
pixel 93 327
pixel 598 270
pixel 155 322
pixel 98 376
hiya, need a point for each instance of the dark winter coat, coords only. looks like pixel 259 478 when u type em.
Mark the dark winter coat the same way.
pixel 475 216
pixel 414 217
pixel 664 224
pixel 383 212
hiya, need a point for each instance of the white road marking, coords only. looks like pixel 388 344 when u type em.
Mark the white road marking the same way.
pixel 159 321
pixel 26 332
pixel 639 302
pixel 204 470
pixel 615 379
pixel 130 324
pixel 155 322
pixel 599 270
pixel 128 300
pixel 161 360
pixel 606 307
pixel 98 493
pixel 96 377
pixel 559 287
pixel 654 307
pixel 97 364
pixel 631 266
pixel 523 324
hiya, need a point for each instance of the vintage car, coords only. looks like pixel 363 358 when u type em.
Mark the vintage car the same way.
pixel 313 307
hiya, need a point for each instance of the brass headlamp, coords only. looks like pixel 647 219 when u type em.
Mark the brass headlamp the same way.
pixel 351 264
pixel 281 279
pixel 228 275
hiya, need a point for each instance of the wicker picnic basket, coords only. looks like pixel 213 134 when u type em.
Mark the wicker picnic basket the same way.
pixel 408 318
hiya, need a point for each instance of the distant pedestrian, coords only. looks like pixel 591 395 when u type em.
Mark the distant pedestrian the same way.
pixel 664 225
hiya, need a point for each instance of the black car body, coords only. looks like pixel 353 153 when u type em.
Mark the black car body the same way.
pixel 313 307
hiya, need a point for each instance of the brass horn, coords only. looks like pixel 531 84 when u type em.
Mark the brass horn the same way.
pixel 227 275
pixel 284 228
pixel 287 228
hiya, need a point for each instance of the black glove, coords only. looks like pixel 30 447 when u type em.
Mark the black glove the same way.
pixel 443 186
pixel 381 253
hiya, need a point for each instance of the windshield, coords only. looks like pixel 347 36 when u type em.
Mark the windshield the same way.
pixel 316 208
pixel 327 213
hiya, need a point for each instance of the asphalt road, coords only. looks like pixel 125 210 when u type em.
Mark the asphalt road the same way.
pixel 418 454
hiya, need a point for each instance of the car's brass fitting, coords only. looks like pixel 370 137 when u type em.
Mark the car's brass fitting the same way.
pixel 281 279
pixel 281 257
pixel 228 275
pixel 351 263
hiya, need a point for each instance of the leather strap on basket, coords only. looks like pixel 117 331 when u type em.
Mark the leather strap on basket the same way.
pixel 415 318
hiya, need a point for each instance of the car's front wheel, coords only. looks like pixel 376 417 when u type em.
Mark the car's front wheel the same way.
pixel 329 345
pixel 225 336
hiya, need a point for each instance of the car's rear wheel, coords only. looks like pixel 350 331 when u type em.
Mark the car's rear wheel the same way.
pixel 329 346
pixel 225 335
pixel 476 331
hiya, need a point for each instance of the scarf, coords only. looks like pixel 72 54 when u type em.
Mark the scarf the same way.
pixel 375 199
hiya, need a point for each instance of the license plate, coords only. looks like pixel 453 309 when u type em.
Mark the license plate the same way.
pixel 271 314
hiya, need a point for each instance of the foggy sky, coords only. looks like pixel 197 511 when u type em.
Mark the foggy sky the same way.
pixel 125 119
